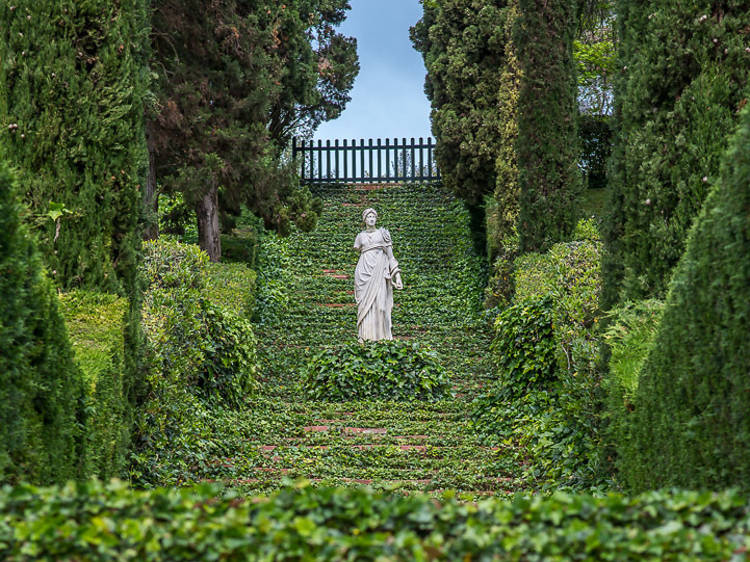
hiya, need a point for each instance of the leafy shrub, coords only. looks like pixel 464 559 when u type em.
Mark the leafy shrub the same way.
pixel 524 347
pixel 387 370
pixel 96 327
pixel 691 420
pixel 112 522
pixel 170 264
pixel 202 356
pixel 232 286
pixel 241 246
pixel 556 424
pixel 40 386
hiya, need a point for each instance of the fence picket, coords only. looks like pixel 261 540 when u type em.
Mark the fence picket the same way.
pixel 397 162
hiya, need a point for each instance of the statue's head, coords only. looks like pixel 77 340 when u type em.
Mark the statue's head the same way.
pixel 369 217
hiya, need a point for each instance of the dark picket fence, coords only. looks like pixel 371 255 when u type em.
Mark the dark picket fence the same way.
pixel 374 161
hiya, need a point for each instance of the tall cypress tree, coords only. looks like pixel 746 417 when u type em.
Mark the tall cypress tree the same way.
pixel 72 83
pixel 40 387
pixel 547 147
pixel 683 67
pixel 73 78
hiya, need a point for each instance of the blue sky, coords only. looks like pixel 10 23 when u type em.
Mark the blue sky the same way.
pixel 388 97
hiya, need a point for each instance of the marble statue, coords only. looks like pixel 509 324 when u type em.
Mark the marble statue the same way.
pixel 375 277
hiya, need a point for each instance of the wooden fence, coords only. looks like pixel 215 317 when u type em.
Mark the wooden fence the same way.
pixel 374 161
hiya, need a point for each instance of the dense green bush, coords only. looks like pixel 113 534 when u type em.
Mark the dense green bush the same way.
pixel 40 386
pixel 524 345
pixel 231 286
pixel 684 67
pixel 209 347
pixel 94 521
pixel 95 323
pixel 384 370
pixel 691 422
pixel 550 329
pixel 202 356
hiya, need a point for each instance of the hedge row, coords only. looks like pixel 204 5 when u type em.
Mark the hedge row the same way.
pixel 691 423
pixel 91 521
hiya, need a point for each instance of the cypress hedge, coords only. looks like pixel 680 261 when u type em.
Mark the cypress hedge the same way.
pixel 39 383
pixel 683 68
pixel 72 83
pixel 547 147
pixel 691 424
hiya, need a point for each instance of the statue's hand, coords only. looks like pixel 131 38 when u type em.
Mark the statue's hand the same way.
pixel 397 282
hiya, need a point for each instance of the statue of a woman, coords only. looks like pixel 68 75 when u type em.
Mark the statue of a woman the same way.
pixel 376 275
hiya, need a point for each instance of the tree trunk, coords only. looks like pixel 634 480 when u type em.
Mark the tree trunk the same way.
pixel 150 198
pixel 207 211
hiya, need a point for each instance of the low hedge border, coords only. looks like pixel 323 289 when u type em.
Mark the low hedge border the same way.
pixel 94 521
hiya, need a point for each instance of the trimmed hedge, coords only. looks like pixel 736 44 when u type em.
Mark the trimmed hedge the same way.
pixel 93 521
pixel 40 386
pixel 96 323
pixel 691 424
pixel 232 286
pixel 385 370
pixel 684 68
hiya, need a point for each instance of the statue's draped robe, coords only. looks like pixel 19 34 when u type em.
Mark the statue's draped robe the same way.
pixel 373 285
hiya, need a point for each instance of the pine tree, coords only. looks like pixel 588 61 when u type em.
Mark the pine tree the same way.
pixel 683 69
pixel 40 387
pixel 547 148
pixel 691 424
pixel 236 79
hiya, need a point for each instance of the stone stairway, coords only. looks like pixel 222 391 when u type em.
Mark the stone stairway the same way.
pixel 306 301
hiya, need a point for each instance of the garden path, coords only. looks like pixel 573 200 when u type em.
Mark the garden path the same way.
pixel 306 301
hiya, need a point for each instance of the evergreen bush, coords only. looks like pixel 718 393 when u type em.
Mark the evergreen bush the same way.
pixel 683 70
pixel 691 423
pixel 40 387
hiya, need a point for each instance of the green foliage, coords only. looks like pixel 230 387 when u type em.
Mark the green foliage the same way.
pixel 524 347
pixel 96 326
pixel 463 44
pixel 387 370
pixel 547 147
pixel 630 336
pixel 691 424
pixel 550 328
pixel 300 522
pixel 40 385
pixel 72 84
pixel 231 286
pixel 235 81
pixel 202 357
pixel 209 348
pixel 684 69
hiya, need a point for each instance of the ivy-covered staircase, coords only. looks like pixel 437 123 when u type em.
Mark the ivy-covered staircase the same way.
pixel 306 301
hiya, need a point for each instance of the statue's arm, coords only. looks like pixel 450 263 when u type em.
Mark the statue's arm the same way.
pixel 393 266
